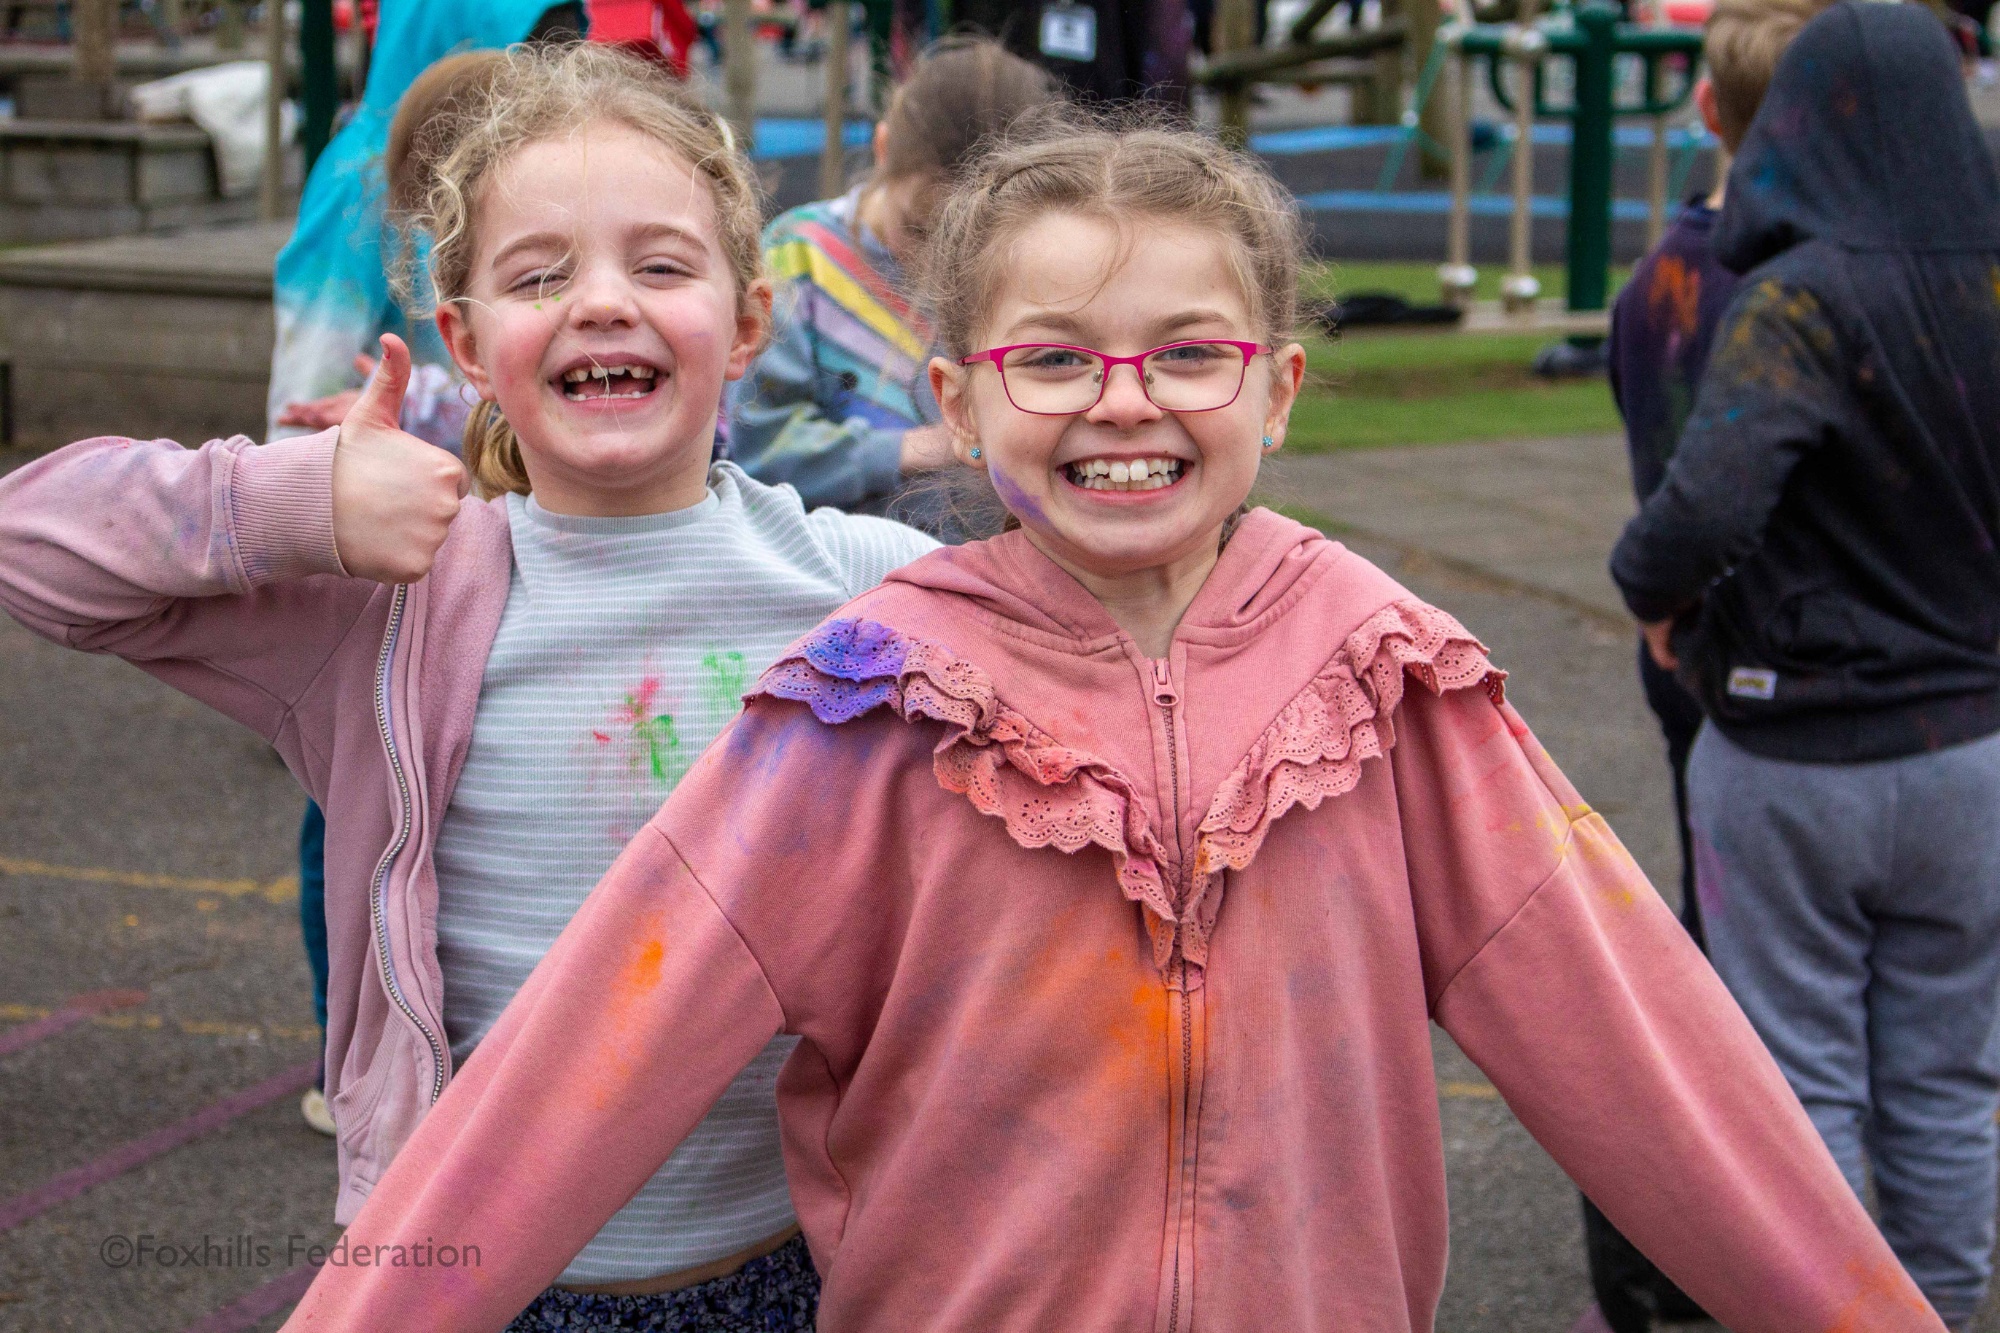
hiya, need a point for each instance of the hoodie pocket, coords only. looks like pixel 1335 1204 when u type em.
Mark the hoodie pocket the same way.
pixel 360 1090
pixel 1714 645
pixel 1814 629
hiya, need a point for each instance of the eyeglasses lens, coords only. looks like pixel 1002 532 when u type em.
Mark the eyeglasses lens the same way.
pixel 1191 377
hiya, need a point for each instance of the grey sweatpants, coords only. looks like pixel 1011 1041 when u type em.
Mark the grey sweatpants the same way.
pixel 1854 912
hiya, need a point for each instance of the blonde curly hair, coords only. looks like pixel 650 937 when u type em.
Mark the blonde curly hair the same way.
pixel 537 93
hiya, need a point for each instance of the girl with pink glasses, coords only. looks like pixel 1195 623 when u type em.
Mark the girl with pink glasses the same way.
pixel 1110 873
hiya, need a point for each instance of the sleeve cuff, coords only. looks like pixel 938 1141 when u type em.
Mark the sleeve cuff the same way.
pixel 1647 604
pixel 1651 610
pixel 282 503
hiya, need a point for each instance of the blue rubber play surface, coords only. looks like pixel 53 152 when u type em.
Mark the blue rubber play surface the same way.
pixel 1332 138
pixel 1439 202
pixel 779 137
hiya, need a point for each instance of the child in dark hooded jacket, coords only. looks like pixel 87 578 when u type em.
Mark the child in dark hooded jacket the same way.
pixel 1663 325
pixel 1820 567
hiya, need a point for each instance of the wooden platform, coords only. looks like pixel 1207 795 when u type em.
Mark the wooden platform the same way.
pixel 70 180
pixel 1549 317
pixel 136 61
pixel 150 336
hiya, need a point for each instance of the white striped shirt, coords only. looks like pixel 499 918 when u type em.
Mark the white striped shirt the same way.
pixel 623 650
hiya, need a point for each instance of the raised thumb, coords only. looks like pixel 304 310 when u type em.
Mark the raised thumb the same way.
pixel 381 400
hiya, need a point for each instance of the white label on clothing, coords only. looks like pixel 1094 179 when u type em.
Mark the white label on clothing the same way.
pixel 1069 32
pixel 1753 683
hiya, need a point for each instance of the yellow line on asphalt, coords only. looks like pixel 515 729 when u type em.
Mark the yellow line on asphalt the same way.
pixel 1477 1092
pixel 284 889
pixel 193 1027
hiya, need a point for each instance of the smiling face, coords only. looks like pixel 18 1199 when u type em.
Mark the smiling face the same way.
pixel 1124 488
pixel 602 315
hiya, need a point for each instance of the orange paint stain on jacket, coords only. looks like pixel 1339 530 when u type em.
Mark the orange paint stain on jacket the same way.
pixel 1675 295
pixel 1882 1294
pixel 626 999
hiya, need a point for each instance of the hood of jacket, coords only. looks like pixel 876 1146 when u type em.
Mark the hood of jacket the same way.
pixel 1266 558
pixel 1279 603
pixel 1832 502
pixel 1866 140
pixel 1282 677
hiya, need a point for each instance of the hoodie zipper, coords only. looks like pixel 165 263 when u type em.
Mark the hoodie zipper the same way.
pixel 377 906
pixel 1165 697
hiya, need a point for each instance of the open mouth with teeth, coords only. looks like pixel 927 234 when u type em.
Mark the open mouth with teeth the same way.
pixel 594 381
pixel 1124 474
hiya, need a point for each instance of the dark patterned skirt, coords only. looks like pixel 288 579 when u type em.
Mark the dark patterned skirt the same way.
pixel 778 1293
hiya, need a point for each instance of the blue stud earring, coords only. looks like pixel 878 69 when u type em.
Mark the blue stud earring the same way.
pixel 976 453
pixel 1269 443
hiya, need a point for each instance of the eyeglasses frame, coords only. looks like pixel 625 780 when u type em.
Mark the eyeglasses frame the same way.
pixel 992 356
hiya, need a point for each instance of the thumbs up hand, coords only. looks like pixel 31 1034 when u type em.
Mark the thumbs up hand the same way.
pixel 394 496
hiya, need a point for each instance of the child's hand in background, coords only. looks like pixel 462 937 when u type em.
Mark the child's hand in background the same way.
pixel 319 413
pixel 927 448
pixel 1660 643
pixel 394 496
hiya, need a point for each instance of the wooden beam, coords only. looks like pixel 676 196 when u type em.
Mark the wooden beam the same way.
pixel 739 71
pixel 1388 100
pixel 1424 18
pixel 96 29
pixel 833 157
pixel 229 25
pixel 1303 25
pixel 1235 35
pixel 1358 74
pixel 271 190
pixel 1242 67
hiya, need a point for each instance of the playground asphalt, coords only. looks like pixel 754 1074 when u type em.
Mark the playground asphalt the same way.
pixel 146 846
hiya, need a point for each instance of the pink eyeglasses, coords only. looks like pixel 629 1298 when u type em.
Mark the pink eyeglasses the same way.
pixel 1057 380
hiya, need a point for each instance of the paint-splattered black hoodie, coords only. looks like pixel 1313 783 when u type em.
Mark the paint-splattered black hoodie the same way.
pixel 1826 530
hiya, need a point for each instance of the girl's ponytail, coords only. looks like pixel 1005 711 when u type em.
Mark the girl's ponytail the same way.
pixel 492 454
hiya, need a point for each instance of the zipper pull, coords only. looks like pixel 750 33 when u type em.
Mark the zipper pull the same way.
pixel 1163 685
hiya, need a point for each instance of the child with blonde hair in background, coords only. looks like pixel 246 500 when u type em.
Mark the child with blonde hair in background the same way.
pixel 1109 874
pixel 491 696
pixel 1663 325
pixel 1820 566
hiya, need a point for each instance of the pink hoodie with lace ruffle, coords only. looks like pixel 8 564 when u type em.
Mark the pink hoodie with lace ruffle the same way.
pixel 1114 978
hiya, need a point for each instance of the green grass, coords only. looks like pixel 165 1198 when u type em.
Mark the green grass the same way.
pixel 1375 389
pixel 1418 283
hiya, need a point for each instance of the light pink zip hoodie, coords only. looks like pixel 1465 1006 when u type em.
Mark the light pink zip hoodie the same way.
pixel 215 570
pixel 1114 978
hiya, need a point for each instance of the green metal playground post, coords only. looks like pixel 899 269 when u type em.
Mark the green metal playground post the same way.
pixel 881 23
pixel 1590 149
pixel 321 80
pixel 1592 45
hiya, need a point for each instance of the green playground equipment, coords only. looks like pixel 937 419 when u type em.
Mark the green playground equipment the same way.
pixel 1592 39
pixel 1369 61
pixel 320 91
pixel 1589 35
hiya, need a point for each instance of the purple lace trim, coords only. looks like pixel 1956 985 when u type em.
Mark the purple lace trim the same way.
pixel 843 669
